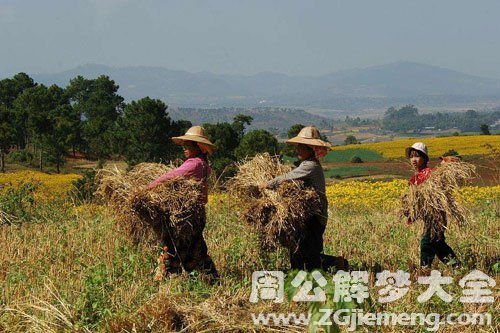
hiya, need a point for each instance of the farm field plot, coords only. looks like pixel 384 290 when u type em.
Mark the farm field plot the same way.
pixel 73 270
pixel 464 145
pixel 346 155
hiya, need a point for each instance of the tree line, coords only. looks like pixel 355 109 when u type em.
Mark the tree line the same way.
pixel 407 119
pixel 90 118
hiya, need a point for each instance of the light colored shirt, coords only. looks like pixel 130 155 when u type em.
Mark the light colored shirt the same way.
pixel 311 173
pixel 195 167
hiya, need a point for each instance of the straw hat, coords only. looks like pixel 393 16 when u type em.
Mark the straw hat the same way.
pixel 196 134
pixel 309 135
pixel 418 146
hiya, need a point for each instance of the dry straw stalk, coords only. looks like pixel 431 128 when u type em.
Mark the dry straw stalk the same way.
pixel 147 215
pixel 434 202
pixel 279 216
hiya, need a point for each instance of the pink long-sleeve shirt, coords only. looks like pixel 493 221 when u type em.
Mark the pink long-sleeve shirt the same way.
pixel 194 167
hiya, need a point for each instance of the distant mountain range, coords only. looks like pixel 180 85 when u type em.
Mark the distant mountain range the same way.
pixel 371 87
pixel 274 119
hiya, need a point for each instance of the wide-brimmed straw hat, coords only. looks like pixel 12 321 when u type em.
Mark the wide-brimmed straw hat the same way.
pixel 309 135
pixel 196 134
pixel 418 146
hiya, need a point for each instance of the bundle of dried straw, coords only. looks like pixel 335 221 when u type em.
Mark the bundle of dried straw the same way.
pixel 279 216
pixel 148 214
pixel 433 201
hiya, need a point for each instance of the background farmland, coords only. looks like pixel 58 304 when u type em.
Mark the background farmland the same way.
pixel 65 265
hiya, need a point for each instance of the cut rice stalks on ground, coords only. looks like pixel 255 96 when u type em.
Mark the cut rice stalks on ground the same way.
pixel 147 215
pixel 8 219
pixel 434 202
pixel 279 216
pixel 220 312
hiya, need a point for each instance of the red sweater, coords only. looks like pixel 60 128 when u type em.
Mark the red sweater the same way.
pixel 420 176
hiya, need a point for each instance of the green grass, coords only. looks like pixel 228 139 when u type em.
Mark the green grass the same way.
pixel 291 159
pixel 366 155
pixel 345 171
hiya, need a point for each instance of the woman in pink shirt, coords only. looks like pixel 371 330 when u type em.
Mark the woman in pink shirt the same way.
pixel 192 256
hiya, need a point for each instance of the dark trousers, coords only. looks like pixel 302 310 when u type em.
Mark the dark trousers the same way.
pixel 307 256
pixel 191 253
pixel 435 246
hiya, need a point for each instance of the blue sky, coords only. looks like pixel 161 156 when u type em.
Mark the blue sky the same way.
pixel 306 37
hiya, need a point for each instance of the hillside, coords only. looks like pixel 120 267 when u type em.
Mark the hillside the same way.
pixel 277 120
pixel 376 86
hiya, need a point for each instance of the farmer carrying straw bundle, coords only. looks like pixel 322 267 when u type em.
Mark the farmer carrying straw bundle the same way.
pixel 310 148
pixel 194 256
pixel 430 198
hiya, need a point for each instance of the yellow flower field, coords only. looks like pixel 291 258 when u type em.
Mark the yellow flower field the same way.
pixel 358 194
pixel 382 195
pixel 51 185
pixel 351 194
pixel 465 145
pixel 386 195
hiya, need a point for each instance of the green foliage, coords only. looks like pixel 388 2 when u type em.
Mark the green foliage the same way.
pixel 346 155
pixel 356 159
pixel 485 129
pixel 315 308
pixel 49 118
pixel 407 119
pixel 224 167
pixel 7 134
pixel 97 102
pixel 21 156
pixel 257 141
pixel 11 88
pixel 289 150
pixel 84 187
pixel 351 140
pixel 239 122
pixel 19 202
pixel 451 152
pixel 94 303
pixel 224 136
pixel 400 120
pixel 145 132
pixel 13 127
pixel 227 138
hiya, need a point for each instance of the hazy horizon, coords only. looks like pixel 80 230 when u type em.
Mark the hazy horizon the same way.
pixel 247 74
pixel 248 37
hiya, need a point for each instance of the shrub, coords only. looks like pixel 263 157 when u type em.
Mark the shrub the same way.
pixel 356 159
pixel 351 140
pixel 84 188
pixel 21 156
pixel 94 303
pixel 451 152
pixel 18 202
pixel 222 169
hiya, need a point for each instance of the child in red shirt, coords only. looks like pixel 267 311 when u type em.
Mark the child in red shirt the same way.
pixel 430 245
